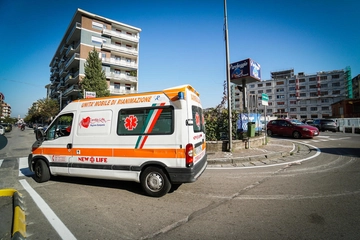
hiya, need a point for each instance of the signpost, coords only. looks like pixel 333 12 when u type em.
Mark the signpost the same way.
pixel 265 102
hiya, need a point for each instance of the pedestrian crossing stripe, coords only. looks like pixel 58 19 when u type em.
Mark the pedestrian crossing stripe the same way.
pixel 24 167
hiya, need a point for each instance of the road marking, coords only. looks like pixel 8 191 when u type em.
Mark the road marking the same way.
pixel 272 165
pixel 57 224
pixel 24 167
pixel 1 161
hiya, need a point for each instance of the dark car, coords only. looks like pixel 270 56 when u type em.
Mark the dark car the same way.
pixel 325 124
pixel 292 128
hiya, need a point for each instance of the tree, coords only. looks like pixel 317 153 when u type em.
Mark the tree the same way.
pixel 95 79
pixel 42 110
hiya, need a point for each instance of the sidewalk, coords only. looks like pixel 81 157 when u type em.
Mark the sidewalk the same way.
pixel 275 152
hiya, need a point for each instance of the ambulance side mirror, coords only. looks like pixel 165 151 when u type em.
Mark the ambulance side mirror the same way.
pixel 39 134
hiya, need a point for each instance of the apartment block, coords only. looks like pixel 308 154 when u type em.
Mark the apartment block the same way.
pixel 118 47
pixel 5 109
pixel 300 96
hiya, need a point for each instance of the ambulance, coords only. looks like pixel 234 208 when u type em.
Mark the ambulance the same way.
pixel 156 139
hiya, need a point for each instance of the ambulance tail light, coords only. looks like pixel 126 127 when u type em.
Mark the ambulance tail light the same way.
pixel 189 152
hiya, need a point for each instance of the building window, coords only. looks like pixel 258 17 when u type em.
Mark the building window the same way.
pixel 302 80
pixel 293 102
pixel 335 76
pixel 127 87
pixel 325 93
pixel 291 88
pixel 302 87
pixel 336 92
pixel 312 79
pixel 281 103
pixel 312 86
pixel 336 84
pixel 313 94
pixel 291 81
pixel 268 84
pixel 98 26
pixel 302 94
pixel 97 40
pixel 268 90
pixel 280 96
pixel 280 83
pixel 325 108
pixel 326 100
pixel 260 85
pixel 292 95
pixel 292 109
pixel 303 109
pixel 324 85
pixel 260 91
pixel 280 90
pixel 252 85
pixel 323 78
pixel 252 92
pixel 313 109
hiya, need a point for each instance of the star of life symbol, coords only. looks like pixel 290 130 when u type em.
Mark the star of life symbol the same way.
pixel 131 122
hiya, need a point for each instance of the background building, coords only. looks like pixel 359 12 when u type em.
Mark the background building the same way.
pixel 5 109
pixel 117 44
pixel 300 96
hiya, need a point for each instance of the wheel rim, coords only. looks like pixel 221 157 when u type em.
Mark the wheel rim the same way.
pixel 296 135
pixel 154 182
pixel 38 171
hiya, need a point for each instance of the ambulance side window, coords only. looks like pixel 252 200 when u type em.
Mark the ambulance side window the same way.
pixel 60 127
pixel 198 119
pixel 146 121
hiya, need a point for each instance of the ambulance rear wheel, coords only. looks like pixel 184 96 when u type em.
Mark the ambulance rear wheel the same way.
pixel 42 172
pixel 155 182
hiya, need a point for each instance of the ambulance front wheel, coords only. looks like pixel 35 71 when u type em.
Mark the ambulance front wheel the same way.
pixel 42 172
pixel 155 182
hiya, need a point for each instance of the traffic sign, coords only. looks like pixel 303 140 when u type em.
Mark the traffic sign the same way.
pixel 264 99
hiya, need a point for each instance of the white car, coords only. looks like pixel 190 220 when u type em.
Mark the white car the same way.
pixel 2 130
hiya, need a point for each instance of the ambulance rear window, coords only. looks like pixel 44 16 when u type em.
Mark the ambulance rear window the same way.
pixel 146 121
pixel 198 118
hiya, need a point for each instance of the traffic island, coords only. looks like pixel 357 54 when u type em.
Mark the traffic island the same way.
pixel 13 216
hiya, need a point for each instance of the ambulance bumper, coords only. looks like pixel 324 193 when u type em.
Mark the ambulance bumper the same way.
pixel 187 175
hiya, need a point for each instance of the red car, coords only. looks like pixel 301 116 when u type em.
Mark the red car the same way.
pixel 291 127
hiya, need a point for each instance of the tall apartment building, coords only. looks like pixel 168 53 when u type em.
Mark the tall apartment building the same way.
pixel 300 96
pixel 5 109
pixel 118 47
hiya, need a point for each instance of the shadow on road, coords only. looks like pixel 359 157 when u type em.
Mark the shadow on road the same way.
pixel 3 141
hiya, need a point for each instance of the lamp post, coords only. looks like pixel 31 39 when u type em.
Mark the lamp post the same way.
pixel 60 99
pixel 228 77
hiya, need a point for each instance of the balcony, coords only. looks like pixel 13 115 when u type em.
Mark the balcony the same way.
pixel 74 57
pixel 73 33
pixel 72 78
pixel 116 91
pixel 121 49
pixel 120 35
pixel 119 63
pixel 121 77
pixel 73 48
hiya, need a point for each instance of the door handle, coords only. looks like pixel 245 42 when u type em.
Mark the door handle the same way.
pixel 69 146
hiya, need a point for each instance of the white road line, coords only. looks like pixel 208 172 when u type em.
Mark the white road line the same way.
pixel 57 224
pixel 24 167
pixel 1 161
pixel 272 165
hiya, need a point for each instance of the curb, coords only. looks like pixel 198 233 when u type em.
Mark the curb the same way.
pixel 18 230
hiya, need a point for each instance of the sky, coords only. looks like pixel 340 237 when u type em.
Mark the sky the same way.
pixel 183 41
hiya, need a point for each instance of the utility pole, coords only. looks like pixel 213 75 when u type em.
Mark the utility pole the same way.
pixel 228 77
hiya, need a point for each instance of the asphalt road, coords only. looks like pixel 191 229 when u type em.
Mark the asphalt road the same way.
pixel 315 199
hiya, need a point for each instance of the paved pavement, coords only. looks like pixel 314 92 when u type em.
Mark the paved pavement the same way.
pixel 277 151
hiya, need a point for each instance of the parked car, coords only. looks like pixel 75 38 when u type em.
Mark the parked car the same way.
pixel 291 127
pixel 325 124
pixel 7 126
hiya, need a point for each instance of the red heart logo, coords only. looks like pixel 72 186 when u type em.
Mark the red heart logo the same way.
pixel 85 122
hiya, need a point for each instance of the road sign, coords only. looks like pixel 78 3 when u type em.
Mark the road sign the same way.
pixel 264 99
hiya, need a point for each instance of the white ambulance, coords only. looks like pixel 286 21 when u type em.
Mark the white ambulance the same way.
pixel 154 138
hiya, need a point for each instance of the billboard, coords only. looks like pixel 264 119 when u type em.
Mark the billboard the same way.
pixel 244 118
pixel 245 69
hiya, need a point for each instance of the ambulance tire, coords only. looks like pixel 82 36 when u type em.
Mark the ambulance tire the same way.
pixel 155 182
pixel 42 172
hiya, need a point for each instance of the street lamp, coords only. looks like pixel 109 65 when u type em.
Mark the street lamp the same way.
pixel 60 99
